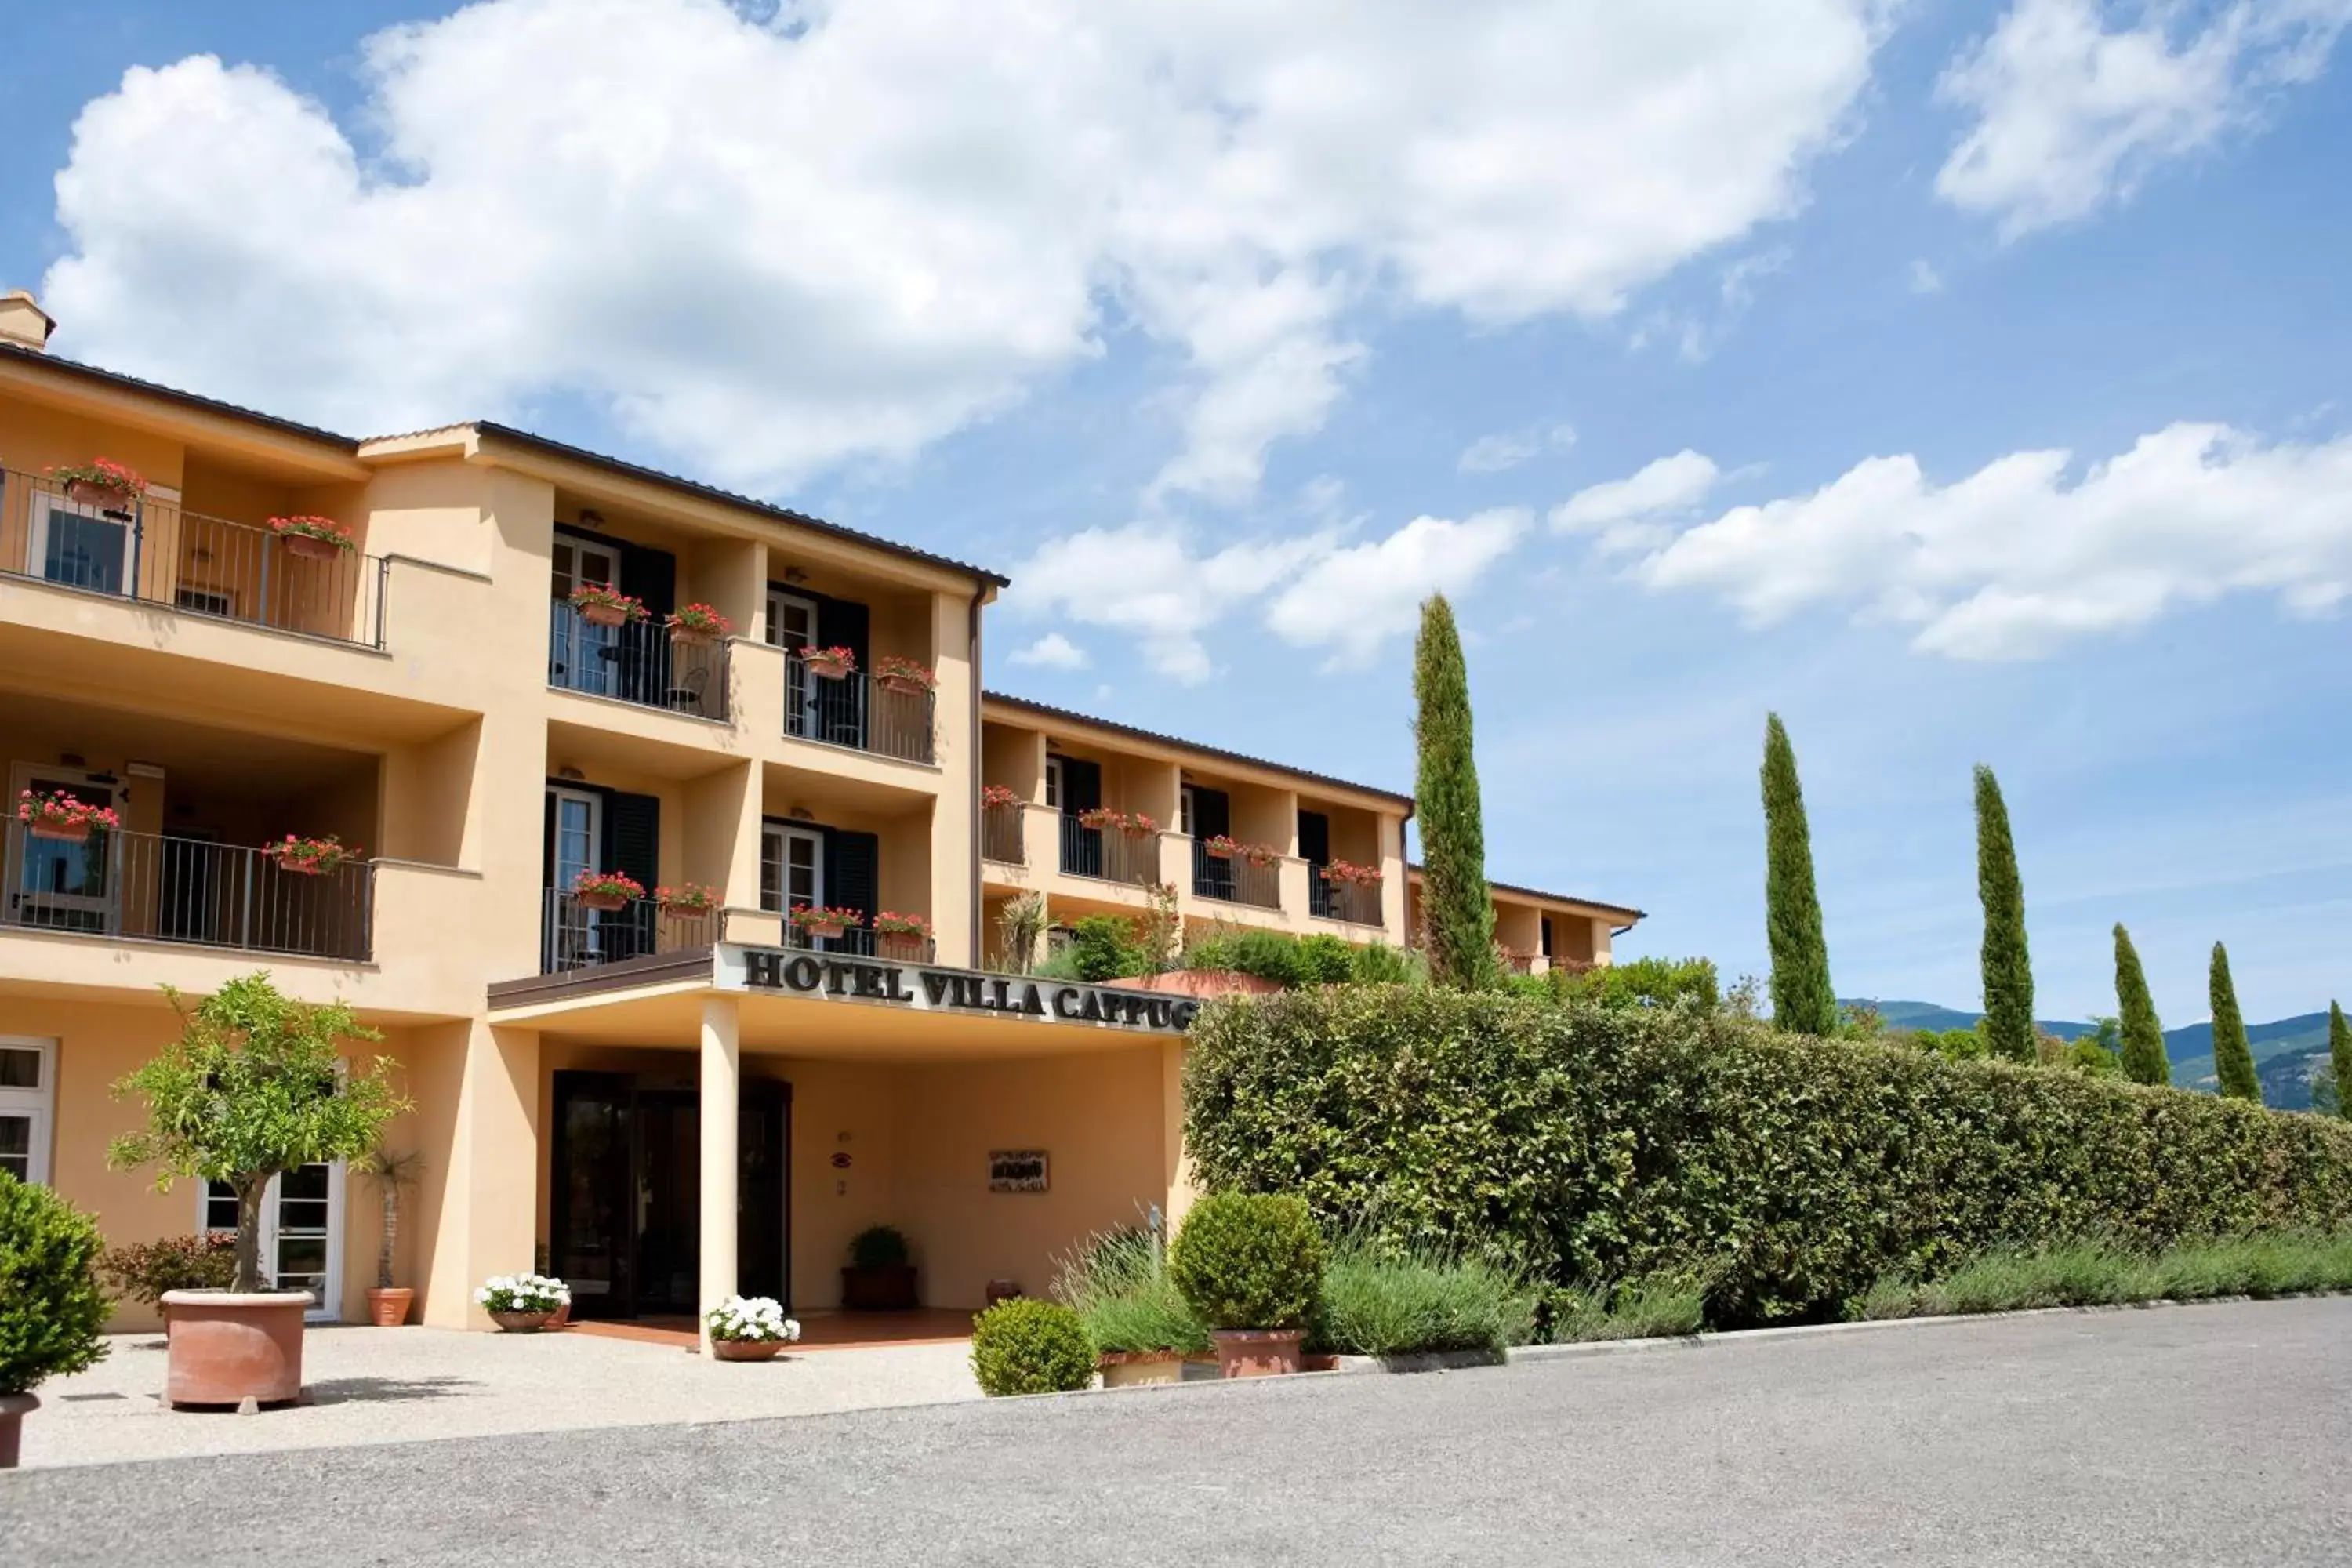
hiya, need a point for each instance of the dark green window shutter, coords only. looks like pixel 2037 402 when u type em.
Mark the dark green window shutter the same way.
pixel 1315 839
pixel 1212 813
pixel 652 575
pixel 632 837
pixel 1081 785
pixel 852 877
pixel 844 622
pixel 547 846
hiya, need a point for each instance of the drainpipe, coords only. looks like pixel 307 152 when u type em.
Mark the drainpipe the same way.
pixel 1404 872
pixel 972 880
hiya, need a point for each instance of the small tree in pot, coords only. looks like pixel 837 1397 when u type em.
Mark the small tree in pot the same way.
pixel 1252 1265
pixel 52 1310
pixel 253 1086
pixel 392 1170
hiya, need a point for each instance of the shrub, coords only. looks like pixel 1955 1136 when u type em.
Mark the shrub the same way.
pixel 1104 947
pixel 1380 964
pixel 1641 982
pixel 144 1270
pixel 1249 1260
pixel 1385 1302
pixel 879 1246
pixel 1324 959
pixel 1118 1285
pixel 2083 1274
pixel 1792 1173
pixel 1664 1305
pixel 1027 1346
pixel 52 1310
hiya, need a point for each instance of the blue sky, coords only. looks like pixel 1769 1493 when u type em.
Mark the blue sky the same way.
pixel 1228 336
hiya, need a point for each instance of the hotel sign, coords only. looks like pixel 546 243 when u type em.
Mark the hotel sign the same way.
pixel 923 988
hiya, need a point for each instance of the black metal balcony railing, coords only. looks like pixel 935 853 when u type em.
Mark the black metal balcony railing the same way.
pixel 154 551
pixel 1358 903
pixel 861 941
pixel 640 663
pixel 859 711
pixel 575 936
pixel 161 888
pixel 1109 853
pixel 1237 881
pixel 1004 834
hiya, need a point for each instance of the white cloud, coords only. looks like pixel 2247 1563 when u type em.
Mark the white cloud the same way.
pixel 767 248
pixel 1354 599
pixel 1637 511
pixel 1508 448
pixel 2073 113
pixel 1925 279
pixel 2013 561
pixel 1053 651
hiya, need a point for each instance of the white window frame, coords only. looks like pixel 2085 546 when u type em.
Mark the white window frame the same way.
pixel 1055 792
pixel 39 1103
pixel 47 504
pixel 89 789
pixel 777 600
pixel 1184 813
pixel 595 805
pixel 328 1307
pixel 774 838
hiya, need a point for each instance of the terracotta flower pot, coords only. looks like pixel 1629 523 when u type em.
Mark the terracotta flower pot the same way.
pixel 388 1305
pixel 228 1346
pixel 830 668
pixel 885 1287
pixel 561 1318
pixel 13 1408
pixel 1134 1369
pixel 309 547
pixel 686 636
pixel 746 1350
pixel 825 931
pixel 904 685
pixel 520 1322
pixel 1214 853
pixel 89 494
pixel 61 832
pixel 1257 1352
pixel 604 614
pixel 604 903
pixel 293 868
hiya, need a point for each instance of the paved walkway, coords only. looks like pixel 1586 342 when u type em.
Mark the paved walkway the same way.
pixel 2191 1435
pixel 392 1386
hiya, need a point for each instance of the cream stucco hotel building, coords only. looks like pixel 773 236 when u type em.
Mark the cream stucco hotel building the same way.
pixel 666 1108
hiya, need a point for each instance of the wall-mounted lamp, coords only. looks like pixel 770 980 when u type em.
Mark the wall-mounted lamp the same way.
pixel 795 574
pixel 571 776
pixel 591 518
pixel 799 814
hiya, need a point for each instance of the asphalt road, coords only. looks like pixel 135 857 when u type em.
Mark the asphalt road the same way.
pixel 2203 1435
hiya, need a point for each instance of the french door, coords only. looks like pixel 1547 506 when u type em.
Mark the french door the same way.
pixel 585 658
pixel 302 1232
pixel 81 545
pixel 792 870
pixel 576 837
pixel 27 1105
pixel 56 884
pixel 791 626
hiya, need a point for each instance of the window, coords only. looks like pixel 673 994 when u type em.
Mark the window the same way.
pixel 580 656
pixel 81 545
pixel 1184 811
pixel 579 823
pixel 1546 936
pixel 301 1232
pixel 56 884
pixel 791 867
pixel 28 1099
pixel 792 622
pixel 205 601
pixel 1054 783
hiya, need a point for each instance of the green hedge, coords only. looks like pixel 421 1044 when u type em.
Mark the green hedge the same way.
pixel 1589 1143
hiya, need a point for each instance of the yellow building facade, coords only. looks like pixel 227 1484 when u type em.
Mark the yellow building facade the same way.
pixel 665 1101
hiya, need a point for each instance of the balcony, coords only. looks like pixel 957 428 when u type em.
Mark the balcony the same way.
pixel 1110 854
pixel 1004 834
pixel 574 936
pixel 153 551
pixel 1236 880
pixel 157 887
pixel 640 663
pixel 1357 903
pixel 859 711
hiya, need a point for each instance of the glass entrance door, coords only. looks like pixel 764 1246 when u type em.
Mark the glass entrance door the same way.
pixel 81 545
pixel 302 1232
pixel 55 883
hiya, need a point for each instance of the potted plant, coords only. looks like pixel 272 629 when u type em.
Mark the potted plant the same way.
pixel 392 1170
pixel 1142 1328
pixel 150 1270
pixel 1024 1346
pixel 101 482
pixel 880 1278
pixel 1251 1265
pixel 998 798
pixel 904 676
pixel 52 1313
pixel 62 817
pixel 748 1328
pixel 1222 847
pixel 523 1303
pixel 309 857
pixel 902 931
pixel 687 900
pixel 606 890
pixel 1099 818
pixel 823 923
pixel 1260 855
pixel 1349 874
pixel 314 538
pixel 697 623
pixel 254 1086
pixel 1138 826
pixel 561 1317
pixel 600 606
pixel 833 663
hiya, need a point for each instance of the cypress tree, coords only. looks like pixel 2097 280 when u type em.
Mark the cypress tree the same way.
pixel 1803 1000
pixel 2339 1052
pixel 2145 1060
pixel 2007 973
pixel 2234 1058
pixel 1457 912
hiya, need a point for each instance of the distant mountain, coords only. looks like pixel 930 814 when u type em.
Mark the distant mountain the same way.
pixel 2286 1050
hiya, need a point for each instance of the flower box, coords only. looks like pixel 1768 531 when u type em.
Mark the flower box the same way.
pixel 831 663
pixel 1221 848
pixel 904 676
pixel 825 924
pixel 62 818
pixel 689 901
pixel 1260 855
pixel 697 624
pixel 312 538
pixel 1101 817
pixel 997 798
pixel 602 606
pixel 1138 825
pixel 101 482
pixel 309 857
pixel 605 891
pixel 1349 874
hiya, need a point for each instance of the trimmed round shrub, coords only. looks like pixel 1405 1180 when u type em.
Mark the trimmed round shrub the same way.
pixel 51 1308
pixel 1027 1346
pixel 1249 1260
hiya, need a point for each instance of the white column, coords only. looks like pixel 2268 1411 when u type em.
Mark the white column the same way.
pixel 721 1155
